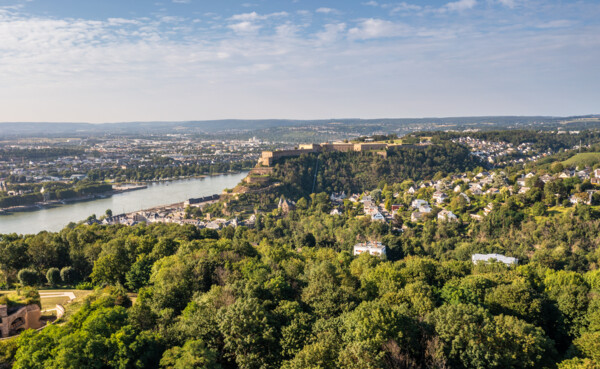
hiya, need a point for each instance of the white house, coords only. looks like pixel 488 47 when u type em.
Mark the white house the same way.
pixel 378 217
pixel 373 248
pixel 439 197
pixel 447 216
pixel 486 258
pixel 417 203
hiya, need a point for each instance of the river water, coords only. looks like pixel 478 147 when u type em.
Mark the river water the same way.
pixel 159 193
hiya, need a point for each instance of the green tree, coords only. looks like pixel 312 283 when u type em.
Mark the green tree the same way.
pixel 250 338
pixel 193 354
pixel 68 275
pixel 53 276
pixel 28 277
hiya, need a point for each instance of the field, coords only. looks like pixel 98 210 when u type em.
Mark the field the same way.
pixel 586 158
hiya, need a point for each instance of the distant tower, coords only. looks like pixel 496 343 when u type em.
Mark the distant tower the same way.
pixel 45 194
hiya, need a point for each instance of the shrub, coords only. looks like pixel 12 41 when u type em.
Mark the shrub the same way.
pixel 68 275
pixel 53 276
pixel 28 277
pixel 85 286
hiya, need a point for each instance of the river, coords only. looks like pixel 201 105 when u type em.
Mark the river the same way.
pixel 158 193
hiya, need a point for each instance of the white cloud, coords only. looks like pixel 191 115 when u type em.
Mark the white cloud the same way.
pixel 181 1
pixel 378 28
pixel 245 27
pixel 403 7
pixel 371 3
pixel 460 5
pixel 327 11
pixel 255 16
pixel 331 32
pixel 248 22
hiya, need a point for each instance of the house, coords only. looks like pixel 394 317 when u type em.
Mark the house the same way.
pixel 565 174
pixel 546 178
pixel 411 190
pixel 524 189
pixel 477 217
pixel 582 174
pixel 439 197
pixel 476 192
pixel 488 209
pixel 373 248
pixel 250 222
pixel 396 207
pixel 597 173
pixel 354 198
pixel 447 216
pixel 378 217
pixel 335 211
pixel 581 198
pixel 285 205
pixel 417 216
pixel 337 197
pixel 418 203
pixel 464 195
pixel 425 208
pixel 486 258
pixel 457 188
pixel 492 191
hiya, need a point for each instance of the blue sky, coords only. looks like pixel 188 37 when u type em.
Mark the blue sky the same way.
pixel 109 60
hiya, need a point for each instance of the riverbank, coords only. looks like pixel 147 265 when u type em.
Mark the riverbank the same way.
pixel 155 195
pixel 55 203
pixel 117 189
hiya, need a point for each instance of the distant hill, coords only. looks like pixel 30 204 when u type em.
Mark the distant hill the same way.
pixel 263 127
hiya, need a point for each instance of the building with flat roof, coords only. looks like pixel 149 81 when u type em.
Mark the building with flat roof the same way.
pixel 373 248
pixel 486 258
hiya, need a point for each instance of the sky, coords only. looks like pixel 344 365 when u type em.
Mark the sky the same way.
pixel 173 60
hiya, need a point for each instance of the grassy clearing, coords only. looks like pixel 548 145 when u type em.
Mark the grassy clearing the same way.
pixel 51 301
pixel 585 158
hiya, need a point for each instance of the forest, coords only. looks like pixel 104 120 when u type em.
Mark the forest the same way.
pixel 289 294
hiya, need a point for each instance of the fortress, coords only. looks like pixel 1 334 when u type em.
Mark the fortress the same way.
pixel 268 157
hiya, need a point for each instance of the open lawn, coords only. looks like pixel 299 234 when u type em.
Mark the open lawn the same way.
pixel 585 158
pixel 50 298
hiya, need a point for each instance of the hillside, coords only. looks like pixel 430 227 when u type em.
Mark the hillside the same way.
pixel 583 159
pixel 357 171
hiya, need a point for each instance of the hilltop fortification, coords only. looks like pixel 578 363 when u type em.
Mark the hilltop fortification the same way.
pixel 268 157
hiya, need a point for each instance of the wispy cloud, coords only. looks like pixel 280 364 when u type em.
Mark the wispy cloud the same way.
pixel 378 28
pixel 327 11
pixel 331 32
pixel 460 5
